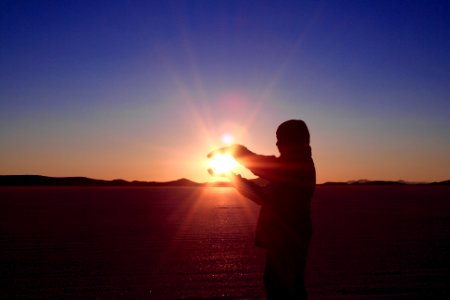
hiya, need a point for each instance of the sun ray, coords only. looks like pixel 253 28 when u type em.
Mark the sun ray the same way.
pixel 267 92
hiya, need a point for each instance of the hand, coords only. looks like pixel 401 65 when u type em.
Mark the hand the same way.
pixel 228 175
pixel 235 150
pixel 219 151
pixel 235 177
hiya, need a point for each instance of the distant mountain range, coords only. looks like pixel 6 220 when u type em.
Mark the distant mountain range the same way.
pixel 383 182
pixel 38 180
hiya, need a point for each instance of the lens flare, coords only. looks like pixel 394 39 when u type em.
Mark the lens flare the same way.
pixel 227 138
pixel 222 164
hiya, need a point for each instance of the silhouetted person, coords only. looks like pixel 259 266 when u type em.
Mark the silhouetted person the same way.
pixel 284 223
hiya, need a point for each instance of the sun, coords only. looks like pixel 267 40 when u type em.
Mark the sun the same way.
pixel 222 164
pixel 227 138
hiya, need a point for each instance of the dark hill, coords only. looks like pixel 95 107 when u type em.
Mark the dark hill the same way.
pixel 364 182
pixel 446 182
pixel 38 180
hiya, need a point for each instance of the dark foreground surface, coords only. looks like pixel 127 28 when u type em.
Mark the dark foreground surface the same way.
pixel 171 243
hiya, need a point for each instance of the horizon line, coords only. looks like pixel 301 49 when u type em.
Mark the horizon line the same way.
pixel 358 181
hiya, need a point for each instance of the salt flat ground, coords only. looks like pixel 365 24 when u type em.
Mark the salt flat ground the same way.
pixel 191 243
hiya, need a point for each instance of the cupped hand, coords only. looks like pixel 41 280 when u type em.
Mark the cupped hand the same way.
pixel 220 151
pixel 228 175
pixel 232 150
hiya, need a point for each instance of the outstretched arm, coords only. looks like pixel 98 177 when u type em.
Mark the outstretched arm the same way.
pixel 247 188
pixel 260 165
pixel 238 151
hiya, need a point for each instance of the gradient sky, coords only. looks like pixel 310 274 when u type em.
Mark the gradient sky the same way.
pixel 142 91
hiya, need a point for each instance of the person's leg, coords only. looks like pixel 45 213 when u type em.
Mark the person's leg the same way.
pixel 273 279
pixel 297 265
pixel 284 276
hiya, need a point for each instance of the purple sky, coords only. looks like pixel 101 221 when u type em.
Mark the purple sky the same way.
pixel 139 90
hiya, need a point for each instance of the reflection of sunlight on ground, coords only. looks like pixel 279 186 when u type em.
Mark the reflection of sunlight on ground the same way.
pixel 223 222
pixel 200 211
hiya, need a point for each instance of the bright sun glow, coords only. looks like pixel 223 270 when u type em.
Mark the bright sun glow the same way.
pixel 227 138
pixel 222 163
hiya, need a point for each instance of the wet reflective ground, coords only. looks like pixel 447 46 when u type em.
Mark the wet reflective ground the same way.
pixel 171 243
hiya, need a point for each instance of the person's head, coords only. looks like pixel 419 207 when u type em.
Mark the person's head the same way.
pixel 292 137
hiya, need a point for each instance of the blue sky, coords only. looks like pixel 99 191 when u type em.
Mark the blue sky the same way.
pixel 141 90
